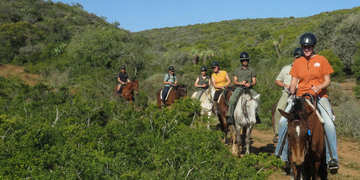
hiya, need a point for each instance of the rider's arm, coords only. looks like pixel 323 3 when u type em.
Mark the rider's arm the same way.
pixel 325 84
pixel 293 84
pixel 119 80
pixel 175 83
pixel 280 83
pixel 253 81
pixel 166 80
pixel 196 82
pixel 213 82
pixel 236 82
pixel 228 81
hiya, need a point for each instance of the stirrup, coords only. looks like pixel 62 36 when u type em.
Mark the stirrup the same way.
pixel 333 166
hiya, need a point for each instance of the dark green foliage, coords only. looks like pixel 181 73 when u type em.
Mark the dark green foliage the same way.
pixel 335 62
pixel 51 134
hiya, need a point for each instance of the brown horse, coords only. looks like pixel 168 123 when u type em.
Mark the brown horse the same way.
pixel 221 109
pixel 128 90
pixel 175 93
pixel 306 141
pixel 273 109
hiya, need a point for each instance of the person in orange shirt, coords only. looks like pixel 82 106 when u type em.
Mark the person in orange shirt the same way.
pixel 311 74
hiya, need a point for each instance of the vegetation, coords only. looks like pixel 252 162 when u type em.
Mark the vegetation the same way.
pixel 70 126
pixel 49 133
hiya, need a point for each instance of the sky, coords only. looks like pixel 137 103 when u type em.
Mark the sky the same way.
pixel 139 15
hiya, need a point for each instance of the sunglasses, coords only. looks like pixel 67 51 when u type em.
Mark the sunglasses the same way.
pixel 308 47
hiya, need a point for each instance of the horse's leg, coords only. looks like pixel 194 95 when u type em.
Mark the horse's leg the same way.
pixel 247 140
pixel 233 134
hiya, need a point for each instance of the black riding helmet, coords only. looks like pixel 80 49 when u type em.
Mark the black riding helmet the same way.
pixel 171 68
pixel 215 64
pixel 308 39
pixel 298 52
pixel 123 67
pixel 203 68
pixel 244 56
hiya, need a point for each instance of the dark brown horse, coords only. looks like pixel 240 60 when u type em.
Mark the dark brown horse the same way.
pixel 273 109
pixel 175 93
pixel 306 141
pixel 129 90
pixel 221 109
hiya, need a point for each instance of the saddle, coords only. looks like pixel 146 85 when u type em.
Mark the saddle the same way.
pixel 167 95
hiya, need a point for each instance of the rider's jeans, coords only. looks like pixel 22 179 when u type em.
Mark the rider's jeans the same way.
pixel 328 117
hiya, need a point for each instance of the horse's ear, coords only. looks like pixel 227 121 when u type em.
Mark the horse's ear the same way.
pixel 285 114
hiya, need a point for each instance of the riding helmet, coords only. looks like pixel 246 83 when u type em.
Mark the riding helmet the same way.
pixel 203 68
pixel 244 56
pixel 123 67
pixel 298 52
pixel 171 68
pixel 215 64
pixel 308 39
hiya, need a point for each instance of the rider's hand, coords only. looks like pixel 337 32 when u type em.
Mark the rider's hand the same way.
pixel 247 84
pixel 286 86
pixel 316 89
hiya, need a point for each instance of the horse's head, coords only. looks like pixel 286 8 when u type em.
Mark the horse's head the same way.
pixel 298 132
pixel 181 91
pixel 129 88
pixel 135 86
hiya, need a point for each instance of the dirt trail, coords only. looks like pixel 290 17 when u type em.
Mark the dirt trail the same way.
pixel 347 86
pixel 348 150
pixel 7 70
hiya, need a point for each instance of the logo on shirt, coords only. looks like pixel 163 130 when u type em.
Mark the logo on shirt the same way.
pixel 317 64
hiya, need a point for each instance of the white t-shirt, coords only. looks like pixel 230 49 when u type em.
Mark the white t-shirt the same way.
pixel 284 75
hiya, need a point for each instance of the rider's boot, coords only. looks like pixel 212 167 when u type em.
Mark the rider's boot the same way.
pixel 276 138
pixel 333 166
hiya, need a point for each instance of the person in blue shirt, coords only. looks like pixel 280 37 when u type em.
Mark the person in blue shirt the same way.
pixel 169 80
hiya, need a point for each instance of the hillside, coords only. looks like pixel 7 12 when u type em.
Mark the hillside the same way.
pixel 59 119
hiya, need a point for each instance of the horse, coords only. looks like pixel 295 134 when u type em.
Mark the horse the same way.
pixel 128 90
pixel 244 119
pixel 221 109
pixel 306 141
pixel 206 100
pixel 273 110
pixel 175 93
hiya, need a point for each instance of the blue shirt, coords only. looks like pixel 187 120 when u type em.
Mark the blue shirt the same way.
pixel 169 78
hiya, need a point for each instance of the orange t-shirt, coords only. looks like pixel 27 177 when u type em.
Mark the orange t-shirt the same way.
pixel 311 73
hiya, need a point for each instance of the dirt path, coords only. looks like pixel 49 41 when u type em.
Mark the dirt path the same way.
pixel 7 70
pixel 349 155
pixel 347 86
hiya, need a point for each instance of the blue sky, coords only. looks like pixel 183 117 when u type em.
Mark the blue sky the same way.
pixel 138 15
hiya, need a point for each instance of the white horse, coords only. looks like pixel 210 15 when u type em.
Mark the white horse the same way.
pixel 245 119
pixel 206 100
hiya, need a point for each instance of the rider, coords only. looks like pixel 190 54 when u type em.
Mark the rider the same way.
pixel 123 78
pixel 202 82
pixel 283 80
pixel 244 77
pixel 311 74
pixel 169 80
pixel 220 80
